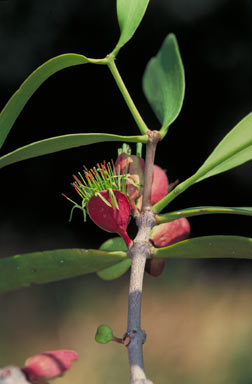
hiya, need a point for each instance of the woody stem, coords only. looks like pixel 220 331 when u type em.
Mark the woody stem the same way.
pixel 140 252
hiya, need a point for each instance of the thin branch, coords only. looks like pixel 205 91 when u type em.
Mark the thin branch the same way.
pixel 154 137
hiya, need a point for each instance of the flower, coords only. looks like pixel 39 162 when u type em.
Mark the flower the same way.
pixel 104 199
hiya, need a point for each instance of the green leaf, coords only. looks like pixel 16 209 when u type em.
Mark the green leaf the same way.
pixel 235 149
pixel 234 247
pixel 104 334
pixel 116 270
pixel 42 267
pixel 114 244
pixel 60 143
pixel 17 102
pixel 164 83
pixel 196 211
pixel 129 14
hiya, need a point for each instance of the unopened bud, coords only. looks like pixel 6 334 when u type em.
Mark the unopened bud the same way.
pixel 159 188
pixel 155 267
pixel 170 233
pixel 134 167
pixel 48 365
pixel 163 235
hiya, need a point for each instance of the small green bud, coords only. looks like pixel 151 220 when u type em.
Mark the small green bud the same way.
pixel 104 334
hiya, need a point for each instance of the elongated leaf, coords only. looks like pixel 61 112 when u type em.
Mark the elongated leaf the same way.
pixel 42 267
pixel 208 247
pixel 116 270
pixel 235 149
pixel 17 102
pixel 59 143
pixel 129 14
pixel 164 82
pixel 196 211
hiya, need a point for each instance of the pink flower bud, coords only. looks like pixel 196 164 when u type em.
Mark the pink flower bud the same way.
pixel 163 235
pixel 48 365
pixel 166 234
pixel 159 187
pixel 109 217
pixel 134 166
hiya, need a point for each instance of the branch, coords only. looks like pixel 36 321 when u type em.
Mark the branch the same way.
pixel 140 252
pixel 154 137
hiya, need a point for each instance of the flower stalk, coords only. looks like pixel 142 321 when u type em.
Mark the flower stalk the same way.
pixel 132 107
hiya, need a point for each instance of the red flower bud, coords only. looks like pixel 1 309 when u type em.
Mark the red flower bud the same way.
pixel 155 267
pixel 134 166
pixel 103 193
pixel 48 365
pixel 163 235
pixel 109 217
pixel 159 187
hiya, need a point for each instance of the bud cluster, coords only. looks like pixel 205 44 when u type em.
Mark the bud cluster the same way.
pixel 164 234
pixel 110 193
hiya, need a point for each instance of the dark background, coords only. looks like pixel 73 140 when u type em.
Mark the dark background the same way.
pixel 215 39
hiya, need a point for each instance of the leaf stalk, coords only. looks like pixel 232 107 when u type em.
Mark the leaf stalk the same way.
pixel 125 93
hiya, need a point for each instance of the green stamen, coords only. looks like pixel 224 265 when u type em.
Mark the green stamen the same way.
pixel 100 178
